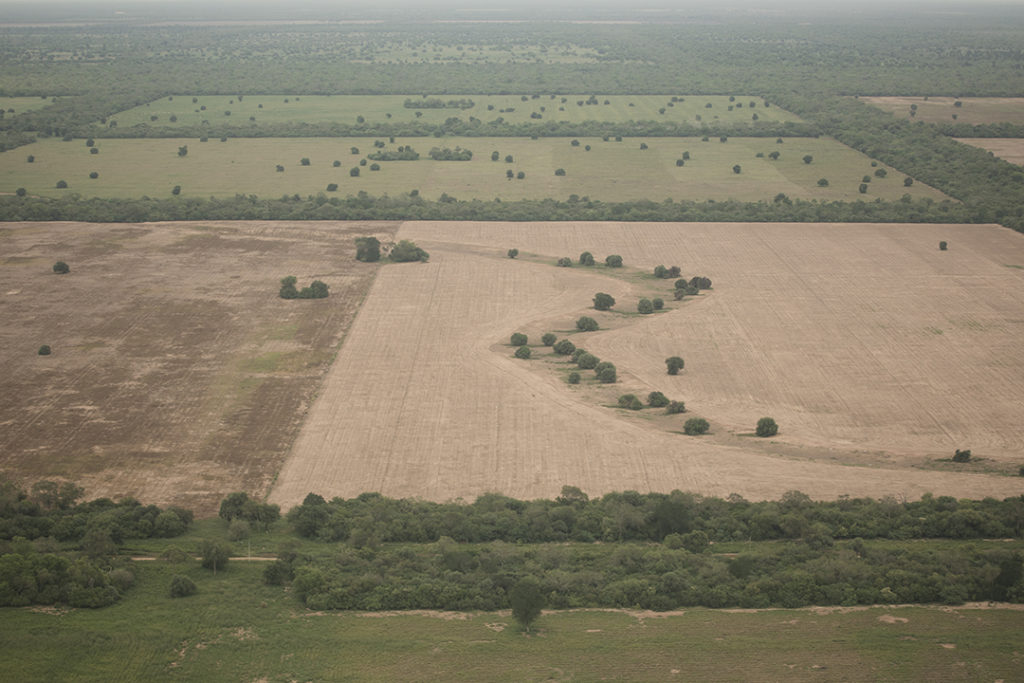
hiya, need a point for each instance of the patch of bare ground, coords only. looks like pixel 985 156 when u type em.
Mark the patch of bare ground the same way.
pixel 177 374
pixel 875 352
pixel 1008 149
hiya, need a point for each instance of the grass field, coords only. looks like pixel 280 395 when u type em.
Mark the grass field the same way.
pixel 876 353
pixel 177 374
pixel 13 106
pixel 235 629
pixel 972 110
pixel 1008 149
pixel 610 171
pixel 389 108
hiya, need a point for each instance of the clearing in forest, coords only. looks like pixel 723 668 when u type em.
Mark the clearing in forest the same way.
pixel 877 354
pixel 971 110
pixel 1008 149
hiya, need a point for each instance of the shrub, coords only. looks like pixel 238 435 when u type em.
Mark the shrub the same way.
pixel 808 158
pixel 182 587
pixel 586 259
pixel 520 175
pixel 559 171
pixel 962 456
pixel 682 283
pixel 548 339
pixel 700 282
pixel 44 350
pixel 574 378
pixel 277 573
pixel 332 187
pixel 31 159
pixel 658 303
pixel 62 184
pixel 93 175
pixel 675 407
pixel 523 352
pixel 354 171
pixel 586 324
pixel 238 530
pixel 603 302
pixel 564 262
pixel 304 161
pixel 279 168
pixel 61 268
pixel 695 426
pixel 518 339
pixel 674 364
pixel 737 169
pixel 288 290
pixel 214 554
pixel 628 400
pixel 613 261
pixel 176 190
pixel 406 251
pixel 607 374
pixel 943 246
pixel 656 399
pixel 822 182
pixel 21 192
pixel 908 181
pixel 880 173
pixel 577 353
pixel 512 253
pixel 645 306
pixel 367 249
pixel 527 601
pixel 336 163
pixel 563 347
pixel 863 189
pixel 766 426
pixel 587 361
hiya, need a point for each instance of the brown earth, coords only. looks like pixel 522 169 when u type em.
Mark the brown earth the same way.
pixel 877 354
pixel 177 374
pixel 1008 149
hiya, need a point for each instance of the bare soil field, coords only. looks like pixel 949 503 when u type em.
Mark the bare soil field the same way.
pixel 177 374
pixel 972 110
pixel 1008 149
pixel 877 354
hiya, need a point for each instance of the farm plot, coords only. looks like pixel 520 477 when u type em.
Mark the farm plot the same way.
pixel 12 106
pixel 972 110
pixel 1008 149
pixel 607 171
pixel 185 110
pixel 877 354
pixel 177 375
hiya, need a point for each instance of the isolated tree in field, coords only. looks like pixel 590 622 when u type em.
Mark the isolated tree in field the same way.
pixel 520 175
pixel 62 184
pixel 574 378
pixel 61 268
pixel 183 151
pixel 21 192
pixel 675 407
pixel 586 324
pixel 510 174
pixel 737 169
pixel 182 586
pixel 549 339
pixel 176 190
pixel 518 339
pixel 656 399
pixel 563 347
pixel 603 302
pixel 587 361
pixel 214 554
pixel 613 261
pixel 774 156
pixel 808 158
pixel 908 181
pixel 560 171
pixel 674 364
pixel 658 303
pixel 606 374
pixel 863 189
pixel 406 251
pixel 766 426
pixel 523 352
pixel 31 158
pixel 586 259
pixel 943 246
pixel 527 601
pixel 881 173
pixel 645 306
pixel 45 350
pixel 332 187
pixel 367 249
pixel 512 253
pixel 495 156
pixel 822 182
pixel 508 159
pixel 962 456
pixel 695 426
pixel 564 262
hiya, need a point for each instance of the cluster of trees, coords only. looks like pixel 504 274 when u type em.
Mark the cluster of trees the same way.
pixel 402 153
pixel 406 251
pixel 437 103
pixel 446 154
pixel 316 290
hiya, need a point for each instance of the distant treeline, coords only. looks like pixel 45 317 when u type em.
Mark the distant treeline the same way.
pixel 414 207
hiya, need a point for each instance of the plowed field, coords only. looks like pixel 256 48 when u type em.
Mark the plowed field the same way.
pixel 876 353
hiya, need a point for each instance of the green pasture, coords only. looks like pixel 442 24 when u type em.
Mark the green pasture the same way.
pixel 406 52
pixel 610 171
pixel 266 109
pixel 237 629
pixel 971 110
pixel 12 106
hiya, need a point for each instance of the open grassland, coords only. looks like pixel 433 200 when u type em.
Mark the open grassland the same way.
pixel 376 109
pixel 878 355
pixel 177 374
pixel 1008 149
pixel 972 110
pixel 235 628
pixel 610 171
pixel 13 106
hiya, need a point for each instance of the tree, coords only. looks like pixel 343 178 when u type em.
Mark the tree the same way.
pixel 512 253
pixel 520 175
pixel 176 190
pixel 606 374
pixel 367 249
pixel 21 192
pixel 406 251
pixel 700 282
pixel 354 171
pixel 93 175
pixel 737 169
pixel 61 268
pixel 808 158
pixel 586 259
pixel 942 246
pixel 822 182
pixel 613 261
pixel 332 187
pixel 863 189
pixel 527 601
pixel 31 158
pixel 62 184
pixel 645 306
pixel 565 262
pixel 660 271
pixel 881 173
pixel 630 402
pixel 563 347
pixel 508 159
pixel 317 290
pixel 908 181
pixel 586 324
pixel 214 554
pixel 603 302
pixel 766 426
pixel 656 399
pixel 587 361
pixel 675 407
pixel 495 156
pixel 774 156
pixel 183 151
pixel 674 364
pixel 574 378
pixel 518 339
pixel 182 586
pixel 962 456
pixel 696 426
pixel 45 350
pixel 288 290
pixel 549 338
pixel 658 303
pixel 560 171
pixel 523 352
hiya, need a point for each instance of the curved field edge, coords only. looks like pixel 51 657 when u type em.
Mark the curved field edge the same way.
pixel 877 354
